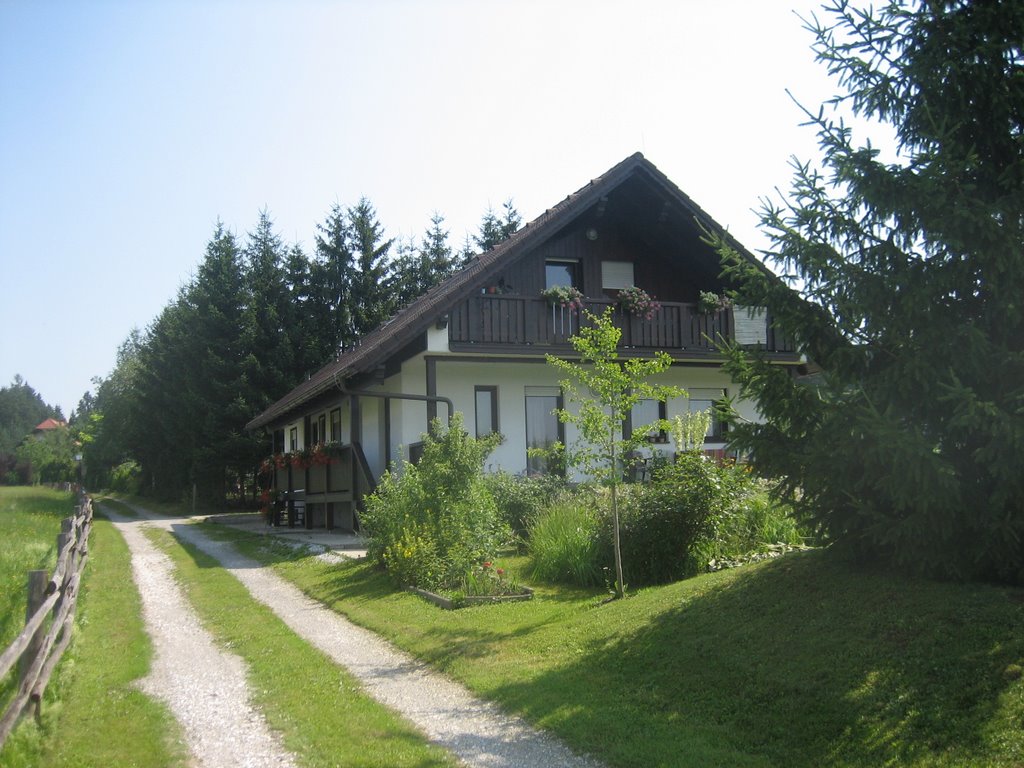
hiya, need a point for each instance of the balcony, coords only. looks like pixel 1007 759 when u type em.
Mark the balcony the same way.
pixel 510 322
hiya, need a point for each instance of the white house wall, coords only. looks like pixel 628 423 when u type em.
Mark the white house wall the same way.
pixel 457 379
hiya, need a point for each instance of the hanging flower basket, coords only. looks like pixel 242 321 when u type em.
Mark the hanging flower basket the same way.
pixel 638 303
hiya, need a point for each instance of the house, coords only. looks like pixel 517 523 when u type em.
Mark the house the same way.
pixel 47 425
pixel 477 344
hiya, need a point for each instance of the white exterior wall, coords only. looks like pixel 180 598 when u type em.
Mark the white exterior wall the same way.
pixel 458 379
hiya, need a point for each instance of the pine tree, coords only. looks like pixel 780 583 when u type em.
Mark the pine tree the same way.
pixel 221 399
pixel 419 269
pixel 495 229
pixel 372 299
pixel 270 365
pixel 333 276
pixel 910 276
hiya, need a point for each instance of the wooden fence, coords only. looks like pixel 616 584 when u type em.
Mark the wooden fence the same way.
pixel 42 643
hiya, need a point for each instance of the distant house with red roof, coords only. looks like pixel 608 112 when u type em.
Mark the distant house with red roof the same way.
pixel 47 426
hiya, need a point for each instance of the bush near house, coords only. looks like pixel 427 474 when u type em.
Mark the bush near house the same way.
pixel 564 542
pixel 695 514
pixel 522 498
pixel 430 524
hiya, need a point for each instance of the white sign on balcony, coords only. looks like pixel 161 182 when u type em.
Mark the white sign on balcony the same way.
pixel 750 324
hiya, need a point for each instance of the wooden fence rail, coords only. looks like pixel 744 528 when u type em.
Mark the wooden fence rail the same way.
pixel 40 647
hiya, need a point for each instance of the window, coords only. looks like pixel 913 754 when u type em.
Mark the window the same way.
pixel 322 428
pixel 703 400
pixel 616 275
pixel 645 413
pixel 486 410
pixel 563 273
pixel 336 425
pixel 278 441
pixel 314 436
pixel 293 439
pixel 543 429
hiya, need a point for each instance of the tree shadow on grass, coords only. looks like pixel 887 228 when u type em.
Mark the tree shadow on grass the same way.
pixel 796 663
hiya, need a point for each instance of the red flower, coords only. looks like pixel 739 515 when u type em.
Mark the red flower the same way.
pixel 487 564
pixel 501 571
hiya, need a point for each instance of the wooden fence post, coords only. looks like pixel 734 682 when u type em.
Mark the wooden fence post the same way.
pixel 37 581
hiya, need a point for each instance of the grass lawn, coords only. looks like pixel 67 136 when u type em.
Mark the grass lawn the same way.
pixel 799 661
pixel 31 521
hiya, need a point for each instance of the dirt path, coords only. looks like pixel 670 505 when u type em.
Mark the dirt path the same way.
pixel 203 685
pixel 477 732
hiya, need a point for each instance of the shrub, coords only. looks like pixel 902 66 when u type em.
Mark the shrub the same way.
pixel 563 542
pixel 755 521
pixel 430 524
pixel 125 477
pixel 521 499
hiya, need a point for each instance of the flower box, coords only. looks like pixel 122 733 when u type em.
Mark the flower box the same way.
pixel 464 601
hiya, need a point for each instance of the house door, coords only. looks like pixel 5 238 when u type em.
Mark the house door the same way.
pixel 543 428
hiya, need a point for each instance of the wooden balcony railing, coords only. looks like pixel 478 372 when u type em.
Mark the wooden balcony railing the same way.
pixel 503 319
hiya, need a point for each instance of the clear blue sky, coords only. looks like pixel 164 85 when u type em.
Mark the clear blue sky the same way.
pixel 128 128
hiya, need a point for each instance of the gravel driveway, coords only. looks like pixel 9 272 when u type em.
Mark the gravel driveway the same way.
pixel 477 732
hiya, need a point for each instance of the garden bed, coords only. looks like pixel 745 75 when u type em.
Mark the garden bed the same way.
pixel 464 601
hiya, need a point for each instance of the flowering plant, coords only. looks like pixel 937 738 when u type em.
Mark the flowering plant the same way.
pixel 638 303
pixel 485 579
pixel 710 302
pixel 564 296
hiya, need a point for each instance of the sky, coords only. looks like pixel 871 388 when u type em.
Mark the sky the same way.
pixel 128 129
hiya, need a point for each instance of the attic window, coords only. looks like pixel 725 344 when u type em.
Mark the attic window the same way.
pixel 616 275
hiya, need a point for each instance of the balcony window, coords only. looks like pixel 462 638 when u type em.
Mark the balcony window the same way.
pixel 616 275
pixel 293 439
pixel 562 273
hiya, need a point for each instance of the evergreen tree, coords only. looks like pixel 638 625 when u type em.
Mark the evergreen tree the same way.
pixel 420 269
pixel 21 409
pixel 107 433
pixel 306 315
pixel 911 274
pixel 372 299
pixel 333 277
pixel 162 437
pixel 436 253
pixel 270 365
pixel 221 399
pixel 495 229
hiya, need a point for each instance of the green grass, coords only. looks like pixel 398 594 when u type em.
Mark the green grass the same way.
pixel 92 714
pixel 325 719
pixel 30 520
pixel 800 661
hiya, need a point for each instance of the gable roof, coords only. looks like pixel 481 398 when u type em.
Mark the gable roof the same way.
pixel 411 321
pixel 49 424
